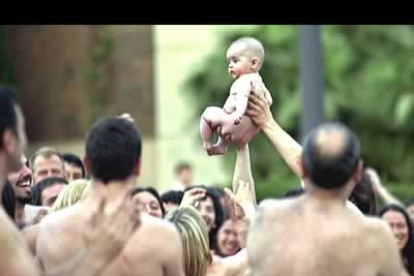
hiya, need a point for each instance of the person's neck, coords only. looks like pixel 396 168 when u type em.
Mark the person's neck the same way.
pixel 112 192
pixel 186 184
pixel 3 176
pixel 326 196
pixel 19 211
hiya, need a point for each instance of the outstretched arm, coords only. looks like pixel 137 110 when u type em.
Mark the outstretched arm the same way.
pixel 244 199
pixel 243 194
pixel 243 170
pixel 289 149
pixel 380 190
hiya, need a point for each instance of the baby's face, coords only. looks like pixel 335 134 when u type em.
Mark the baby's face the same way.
pixel 239 61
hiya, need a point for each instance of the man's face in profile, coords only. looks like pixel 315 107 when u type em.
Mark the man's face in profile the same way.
pixel 22 182
pixel 17 145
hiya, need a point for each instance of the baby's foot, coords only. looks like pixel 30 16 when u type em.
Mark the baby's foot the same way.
pixel 207 145
pixel 237 119
pixel 217 150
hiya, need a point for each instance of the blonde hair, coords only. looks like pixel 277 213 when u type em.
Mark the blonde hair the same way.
pixel 194 237
pixel 71 194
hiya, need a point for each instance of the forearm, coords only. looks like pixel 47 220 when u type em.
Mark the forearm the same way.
pixel 387 197
pixel 289 149
pixel 242 170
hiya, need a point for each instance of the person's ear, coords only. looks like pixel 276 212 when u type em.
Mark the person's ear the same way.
pixel 9 141
pixel 137 168
pixel 304 172
pixel 86 164
pixel 358 171
pixel 255 64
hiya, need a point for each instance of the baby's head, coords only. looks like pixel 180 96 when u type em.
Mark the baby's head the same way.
pixel 245 55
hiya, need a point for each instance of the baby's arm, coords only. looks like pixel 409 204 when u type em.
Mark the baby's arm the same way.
pixel 267 95
pixel 228 105
pixel 243 92
pixel 262 91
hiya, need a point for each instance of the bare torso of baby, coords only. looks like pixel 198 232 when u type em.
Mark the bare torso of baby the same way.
pixel 230 122
pixel 240 91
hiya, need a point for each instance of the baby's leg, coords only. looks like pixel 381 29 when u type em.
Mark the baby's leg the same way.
pixel 210 120
pixel 242 133
pixel 206 132
pixel 220 148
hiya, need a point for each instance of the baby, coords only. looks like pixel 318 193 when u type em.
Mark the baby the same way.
pixel 245 57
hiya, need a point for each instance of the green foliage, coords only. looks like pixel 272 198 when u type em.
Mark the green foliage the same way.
pixel 6 66
pixel 403 191
pixel 368 83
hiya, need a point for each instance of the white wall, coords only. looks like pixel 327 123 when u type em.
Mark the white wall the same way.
pixel 178 50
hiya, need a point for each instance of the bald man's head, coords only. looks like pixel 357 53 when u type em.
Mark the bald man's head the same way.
pixel 330 155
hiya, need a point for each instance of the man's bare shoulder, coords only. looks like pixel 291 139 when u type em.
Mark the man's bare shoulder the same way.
pixel 9 235
pixel 60 219
pixel 377 227
pixel 151 225
pixel 275 206
pixel 14 254
pixel 381 243
pixel 156 238
pixel 373 232
pixel 270 210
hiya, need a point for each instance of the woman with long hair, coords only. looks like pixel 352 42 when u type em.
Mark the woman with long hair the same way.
pixel 207 202
pixel 194 237
pixel 402 228
pixel 150 200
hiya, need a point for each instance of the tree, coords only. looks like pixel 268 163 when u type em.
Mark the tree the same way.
pixel 368 79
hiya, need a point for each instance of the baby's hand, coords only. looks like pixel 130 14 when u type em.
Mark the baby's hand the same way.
pixel 237 119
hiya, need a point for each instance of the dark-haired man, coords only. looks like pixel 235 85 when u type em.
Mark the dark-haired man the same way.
pixel 15 259
pixel 74 168
pixel 112 158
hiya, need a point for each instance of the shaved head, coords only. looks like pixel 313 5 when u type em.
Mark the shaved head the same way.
pixel 330 155
pixel 252 47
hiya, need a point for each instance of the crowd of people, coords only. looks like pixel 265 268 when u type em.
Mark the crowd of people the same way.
pixel 66 215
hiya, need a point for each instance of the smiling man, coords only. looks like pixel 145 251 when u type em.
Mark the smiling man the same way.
pixel 22 186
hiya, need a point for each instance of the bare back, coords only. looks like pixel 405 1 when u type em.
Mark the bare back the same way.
pixel 15 258
pixel 154 250
pixel 297 237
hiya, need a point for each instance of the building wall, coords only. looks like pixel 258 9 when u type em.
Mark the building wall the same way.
pixel 68 76
pixel 144 75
